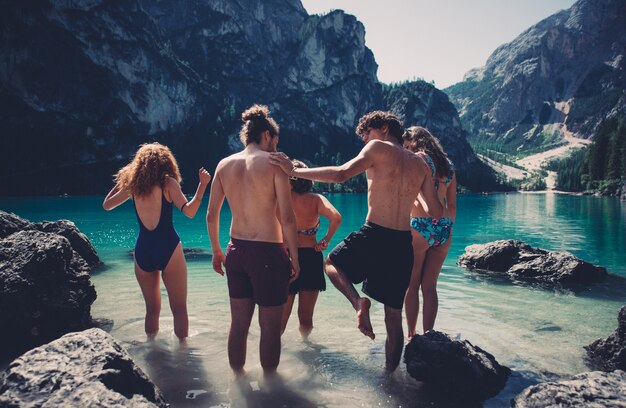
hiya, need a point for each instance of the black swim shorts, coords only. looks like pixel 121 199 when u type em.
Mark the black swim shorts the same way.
pixel 311 271
pixel 381 258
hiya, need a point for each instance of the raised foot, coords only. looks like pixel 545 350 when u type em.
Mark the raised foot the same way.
pixel 363 318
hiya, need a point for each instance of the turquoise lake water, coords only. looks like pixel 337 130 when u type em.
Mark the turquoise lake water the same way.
pixel 539 333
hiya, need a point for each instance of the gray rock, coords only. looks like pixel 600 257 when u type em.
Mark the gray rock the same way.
pixel 11 223
pixel 565 73
pixel 79 241
pixel 594 390
pixel 455 366
pixel 420 103
pixel 84 369
pixel 519 261
pixel 610 354
pixel 45 289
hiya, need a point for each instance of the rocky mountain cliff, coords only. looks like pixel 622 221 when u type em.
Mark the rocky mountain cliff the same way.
pixel 83 82
pixel 564 74
pixel 421 103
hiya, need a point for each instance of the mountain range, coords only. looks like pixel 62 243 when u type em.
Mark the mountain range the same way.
pixel 561 77
pixel 84 82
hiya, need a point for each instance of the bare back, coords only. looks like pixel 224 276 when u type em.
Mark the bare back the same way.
pixel 149 206
pixel 393 182
pixel 443 187
pixel 305 207
pixel 247 179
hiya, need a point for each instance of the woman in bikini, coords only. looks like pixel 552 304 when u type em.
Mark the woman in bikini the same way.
pixel 432 237
pixel 152 180
pixel 308 207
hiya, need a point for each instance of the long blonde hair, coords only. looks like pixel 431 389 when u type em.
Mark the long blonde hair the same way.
pixel 152 163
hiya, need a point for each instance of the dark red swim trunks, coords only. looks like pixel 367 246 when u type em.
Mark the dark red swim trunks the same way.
pixel 258 270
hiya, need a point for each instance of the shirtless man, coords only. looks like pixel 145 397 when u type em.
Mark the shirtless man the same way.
pixel 380 254
pixel 257 265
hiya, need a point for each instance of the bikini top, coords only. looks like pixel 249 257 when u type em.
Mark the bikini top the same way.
pixel 310 231
pixel 431 164
pixel 165 218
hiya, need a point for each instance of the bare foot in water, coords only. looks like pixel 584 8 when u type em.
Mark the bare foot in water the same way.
pixel 363 318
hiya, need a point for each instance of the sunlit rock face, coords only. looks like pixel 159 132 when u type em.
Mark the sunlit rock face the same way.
pixel 565 73
pixel 83 83
pixel 421 104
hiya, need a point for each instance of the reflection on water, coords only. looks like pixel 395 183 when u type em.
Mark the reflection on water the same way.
pixel 539 332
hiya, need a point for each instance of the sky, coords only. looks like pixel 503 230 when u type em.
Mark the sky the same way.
pixel 438 40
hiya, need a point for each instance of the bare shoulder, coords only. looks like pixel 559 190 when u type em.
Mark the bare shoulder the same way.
pixel 375 146
pixel 171 182
pixel 226 161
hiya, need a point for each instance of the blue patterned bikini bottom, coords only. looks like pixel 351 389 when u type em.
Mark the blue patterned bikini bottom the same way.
pixel 435 231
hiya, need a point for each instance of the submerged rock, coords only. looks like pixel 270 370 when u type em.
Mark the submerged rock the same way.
pixel 610 354
pixel 455 366
pixel 45 289
pixel 79 241
pixel 84 369
pixel 593 389
pixel 520 261
pixel 191 254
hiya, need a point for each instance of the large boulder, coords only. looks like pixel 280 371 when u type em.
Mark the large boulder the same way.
pixel 610 354
pixel 79 241
pixel 520 261
pixel 45 289
pixel 11 223
pixel 84 369
pixel 594 389
pixel 455 366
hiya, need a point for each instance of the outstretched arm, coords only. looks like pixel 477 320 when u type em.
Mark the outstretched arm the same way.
pixel 189 208
pixel 216 200
pixel 287 220
pixel 326 209
pixel 115 197
pixel 329 174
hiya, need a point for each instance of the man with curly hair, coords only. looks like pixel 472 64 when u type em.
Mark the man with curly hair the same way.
pixel 380 253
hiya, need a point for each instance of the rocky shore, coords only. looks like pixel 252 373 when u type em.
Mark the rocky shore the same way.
pixel 84 369
pixel 454 366
pixel 521 262
pixel 610 353
pixel 45 286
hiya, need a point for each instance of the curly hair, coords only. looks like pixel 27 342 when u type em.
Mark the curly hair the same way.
pixel 151 164
pixel 376 120
pixel 299 185
pixel 256 120
pixel 421 140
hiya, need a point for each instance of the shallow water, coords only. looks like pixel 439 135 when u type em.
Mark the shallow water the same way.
pixel 537 332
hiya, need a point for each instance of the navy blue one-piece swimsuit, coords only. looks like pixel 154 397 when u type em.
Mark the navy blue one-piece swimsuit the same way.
pixel 154 248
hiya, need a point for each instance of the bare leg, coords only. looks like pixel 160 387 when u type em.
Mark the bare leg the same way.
pixel 360 304
pixel 175 280
pixel 149 283
pixel 432 266
pixel 241 311
pixel 395 338
pixel 270 321
pixel 306 306
pixel 287 312
pixel 411 300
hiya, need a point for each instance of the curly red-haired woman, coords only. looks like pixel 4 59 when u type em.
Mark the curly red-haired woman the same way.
pixel 152 179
